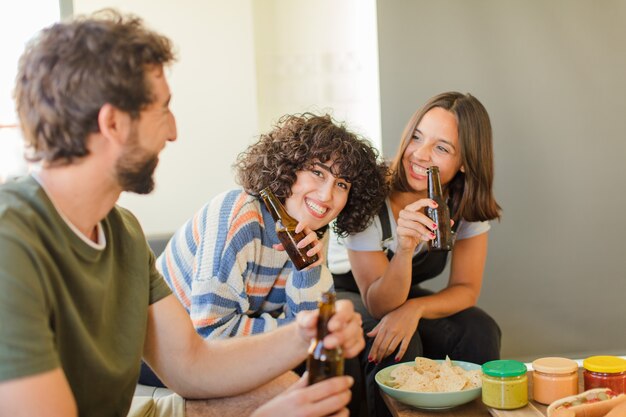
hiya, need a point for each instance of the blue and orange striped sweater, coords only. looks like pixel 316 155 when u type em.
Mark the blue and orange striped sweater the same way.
pixel 222 267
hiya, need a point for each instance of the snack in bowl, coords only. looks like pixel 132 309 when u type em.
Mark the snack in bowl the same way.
pixel 597 402
pixel 431 384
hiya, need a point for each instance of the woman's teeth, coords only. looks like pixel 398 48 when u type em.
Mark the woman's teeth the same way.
pixel 318 209
pixel 418 169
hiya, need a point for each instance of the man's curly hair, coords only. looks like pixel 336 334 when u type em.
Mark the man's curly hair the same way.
pixel 295 143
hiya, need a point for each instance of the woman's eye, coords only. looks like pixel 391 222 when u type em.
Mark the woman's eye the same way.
pixel 443 149
pixel 317 173
pixel 343 185
pixel 416 137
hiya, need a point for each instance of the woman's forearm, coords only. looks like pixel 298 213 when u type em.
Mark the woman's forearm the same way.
pixel 392 289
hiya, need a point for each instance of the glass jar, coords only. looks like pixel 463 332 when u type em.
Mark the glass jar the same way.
pixel 554 378
pixel 505 384
pixel 605 372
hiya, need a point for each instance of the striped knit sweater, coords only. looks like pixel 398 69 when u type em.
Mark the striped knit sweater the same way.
pixel 223 269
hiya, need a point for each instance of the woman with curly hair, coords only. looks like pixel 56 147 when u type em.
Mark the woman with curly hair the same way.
pixel 225 264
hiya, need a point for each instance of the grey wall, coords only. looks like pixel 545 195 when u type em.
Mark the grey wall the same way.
pixel 552 75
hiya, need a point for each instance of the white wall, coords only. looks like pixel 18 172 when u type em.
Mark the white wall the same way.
pixel 551 75
pixel 242 64
pixel 319 56
pixel 214 100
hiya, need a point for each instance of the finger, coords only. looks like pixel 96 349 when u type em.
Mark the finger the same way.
pixel 300 383
pixel 416 231
pixel 402 350
pixel 309 239
pixel 328 387
pixel 278 246
pixel 343 325
pixel 328 396
pixel 378 347
pixel 420 204
pixel 344 313
pixel 303 226
pixel 393 344
pixel 307 321
pixel 333 404
pixel 374 331
pixel 343 413
pixel 417 221
pixel 347 335
pixel 354 345
pixel 317 249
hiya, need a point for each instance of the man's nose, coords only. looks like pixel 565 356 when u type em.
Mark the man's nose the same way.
pixel 173 133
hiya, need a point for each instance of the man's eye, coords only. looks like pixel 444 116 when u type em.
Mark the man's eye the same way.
pixel 317 172
pixel 343 185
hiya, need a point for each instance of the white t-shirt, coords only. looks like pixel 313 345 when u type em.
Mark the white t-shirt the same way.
pixel 371 239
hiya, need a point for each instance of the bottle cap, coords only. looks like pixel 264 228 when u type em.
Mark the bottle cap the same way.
pixel 605 364
pixel 553 365
pixel 504 368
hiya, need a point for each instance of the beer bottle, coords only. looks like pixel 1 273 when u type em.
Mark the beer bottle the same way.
pixel 324 363
pixel 285 229
pixel 439 215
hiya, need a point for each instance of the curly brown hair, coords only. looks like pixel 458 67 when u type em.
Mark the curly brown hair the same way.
pixel 70 70
pixel 295 143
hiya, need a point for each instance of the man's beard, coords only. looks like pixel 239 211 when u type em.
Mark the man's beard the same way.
pixel 135 169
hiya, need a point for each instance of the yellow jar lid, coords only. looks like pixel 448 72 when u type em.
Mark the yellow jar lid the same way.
pixel 553 365
pixel 605 364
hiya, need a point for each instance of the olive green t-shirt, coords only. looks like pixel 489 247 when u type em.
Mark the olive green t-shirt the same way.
pixel 64 303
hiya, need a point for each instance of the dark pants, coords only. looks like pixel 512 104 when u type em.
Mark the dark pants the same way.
pixel 470 335
pixel 148 377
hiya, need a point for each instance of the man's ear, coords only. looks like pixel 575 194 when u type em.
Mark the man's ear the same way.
pixel 114 123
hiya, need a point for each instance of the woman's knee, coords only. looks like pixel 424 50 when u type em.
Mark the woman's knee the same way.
pixel 483 324
pixel 481 335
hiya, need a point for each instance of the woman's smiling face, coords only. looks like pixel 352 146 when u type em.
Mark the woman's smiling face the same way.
pixel 435 142
pixel 318 195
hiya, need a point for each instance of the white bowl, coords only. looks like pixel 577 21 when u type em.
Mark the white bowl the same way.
pixel 428 400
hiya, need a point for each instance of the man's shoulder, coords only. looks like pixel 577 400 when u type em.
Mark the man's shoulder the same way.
pixel 18 190
pixel 21 203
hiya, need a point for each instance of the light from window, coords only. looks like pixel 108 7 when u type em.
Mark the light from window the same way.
pixel 21 21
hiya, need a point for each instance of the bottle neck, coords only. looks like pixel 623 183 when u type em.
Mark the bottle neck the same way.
pixel 274 206
pixel 322 321
pixel 434 183
pixel 326 311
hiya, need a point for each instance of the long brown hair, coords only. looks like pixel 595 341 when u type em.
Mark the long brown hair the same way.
pixel 470 192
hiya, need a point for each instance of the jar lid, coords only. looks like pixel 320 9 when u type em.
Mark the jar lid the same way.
pixel 504 368
pixel 552 365
pixel 605 364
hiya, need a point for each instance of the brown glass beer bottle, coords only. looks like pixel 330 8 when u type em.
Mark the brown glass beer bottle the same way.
pixel 286 231
pixel 439 215
pixel 324 363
